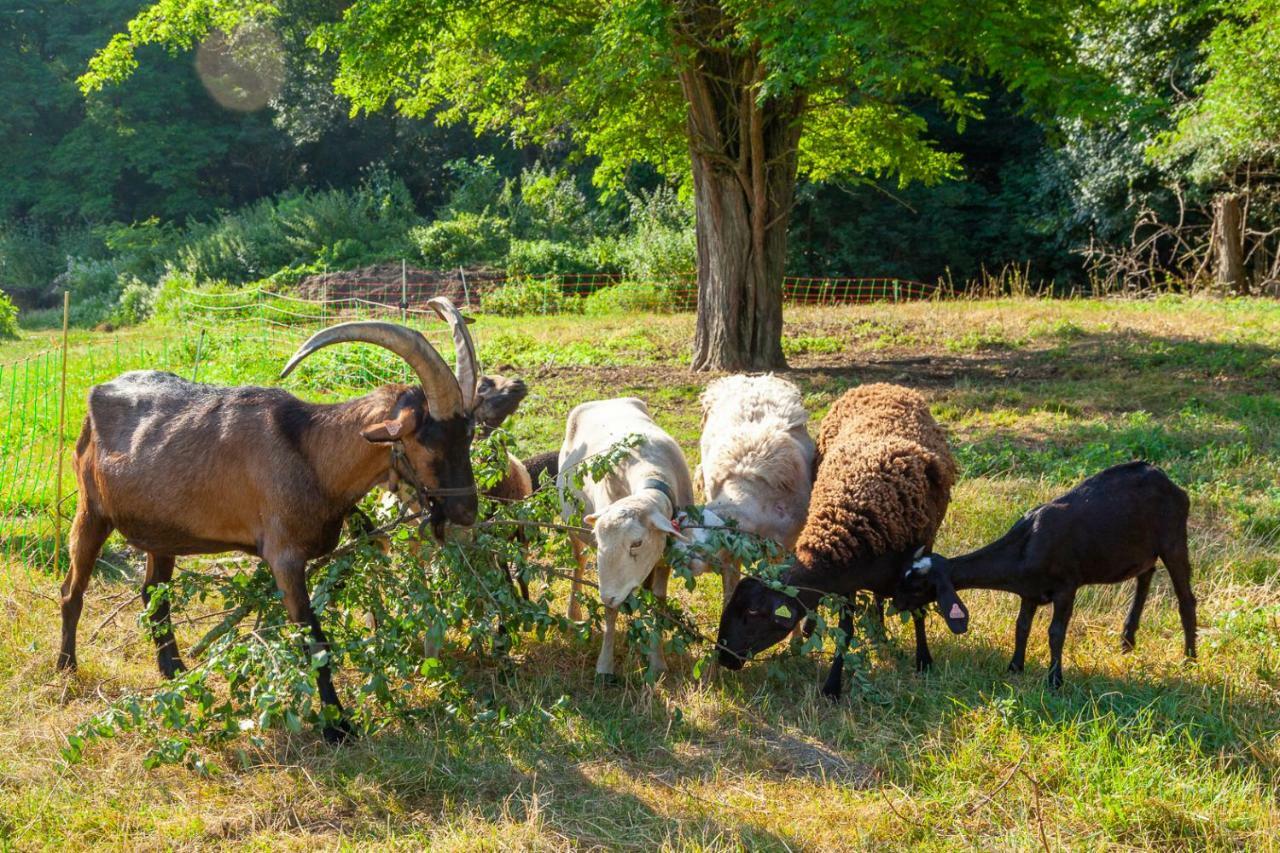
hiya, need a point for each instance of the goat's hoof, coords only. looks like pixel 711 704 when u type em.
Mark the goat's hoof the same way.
pixel 1015 668
pixel 607 679
pixel 832 693
pixel 924 665
pixel 1055 681
pixel 340 732
pixel 1127 644
pixel 66 663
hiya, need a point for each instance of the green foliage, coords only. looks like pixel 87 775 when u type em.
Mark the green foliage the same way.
pixel 629 296
pixel 1236 115
pixel 529 296
pixel 337 229
pixel 543 257
pixel 136 303
pixel 467 239
pixel 661 244
pixel 8 317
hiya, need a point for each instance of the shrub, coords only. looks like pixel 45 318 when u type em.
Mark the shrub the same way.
pixel 661 245
pixel 467 239
pixel 529 296
pixel 167 299
pixel 142 249
pixel 627 296
pixel 551 207
pixel 136 303
pixel 313 229
pixel 545 257
pixel 8 317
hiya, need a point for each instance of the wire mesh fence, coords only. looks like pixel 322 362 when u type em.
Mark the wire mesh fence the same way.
pixel 252 331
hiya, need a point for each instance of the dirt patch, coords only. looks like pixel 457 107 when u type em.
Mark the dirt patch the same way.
pixel 387 284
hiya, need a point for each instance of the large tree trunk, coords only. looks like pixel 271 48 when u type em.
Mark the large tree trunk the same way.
pixel 744 172
pixel 1228 237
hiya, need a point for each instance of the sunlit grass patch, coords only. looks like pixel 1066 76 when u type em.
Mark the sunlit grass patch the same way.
pixel 1138 751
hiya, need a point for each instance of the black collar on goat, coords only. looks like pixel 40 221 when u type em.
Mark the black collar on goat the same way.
pixel 180 468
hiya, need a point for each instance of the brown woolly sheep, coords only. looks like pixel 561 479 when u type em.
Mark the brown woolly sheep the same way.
pixel 884 480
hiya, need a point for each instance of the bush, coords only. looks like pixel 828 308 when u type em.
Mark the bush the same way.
pixel 628 296
pixel 316 230
pixel 141 250
pixel 167 298
pixel 545 257
pixel 8 317
pixel 529 296
pixel 467 239
pixel 31 260
pixel 135 305
pixel 662 245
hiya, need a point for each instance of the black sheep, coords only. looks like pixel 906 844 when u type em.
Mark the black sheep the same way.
pixel 1110 528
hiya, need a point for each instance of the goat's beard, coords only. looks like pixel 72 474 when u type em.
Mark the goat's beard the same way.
pixel 435 519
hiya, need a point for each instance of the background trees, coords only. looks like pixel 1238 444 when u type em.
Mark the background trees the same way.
pixel 916 141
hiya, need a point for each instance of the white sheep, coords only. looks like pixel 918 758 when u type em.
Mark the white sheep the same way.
pixel 757 458
pixel 630 510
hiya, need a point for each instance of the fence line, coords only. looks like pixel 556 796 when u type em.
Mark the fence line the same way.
pixel 37 488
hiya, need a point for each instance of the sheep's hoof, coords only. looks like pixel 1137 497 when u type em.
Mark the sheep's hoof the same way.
pixel 1127 644
pixel 339 732
pixel 607 679
pixel 924 665
pixel 1055 680
pixel 1015 667
pixel 66 662
pixel 831 691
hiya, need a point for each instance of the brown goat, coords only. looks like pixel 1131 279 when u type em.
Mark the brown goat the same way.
pixel 180 468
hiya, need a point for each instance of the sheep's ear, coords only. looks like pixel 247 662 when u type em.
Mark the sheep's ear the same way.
pixel 658 521
pixel 590 520
pixel 950 605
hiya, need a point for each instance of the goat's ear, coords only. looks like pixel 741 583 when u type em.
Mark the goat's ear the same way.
pixel 950 605
pixel 658 521
pixel 590 520
pixel 401 426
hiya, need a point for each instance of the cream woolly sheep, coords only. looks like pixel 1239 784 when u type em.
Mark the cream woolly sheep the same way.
pixel 757 458
pixel 883 484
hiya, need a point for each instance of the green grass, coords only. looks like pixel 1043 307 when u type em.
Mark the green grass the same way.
pixel 1137 751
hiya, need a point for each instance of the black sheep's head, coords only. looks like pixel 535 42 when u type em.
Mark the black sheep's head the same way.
pixel 927 579
pixel 755 618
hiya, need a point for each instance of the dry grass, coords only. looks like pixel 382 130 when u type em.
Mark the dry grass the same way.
pixel 1137 751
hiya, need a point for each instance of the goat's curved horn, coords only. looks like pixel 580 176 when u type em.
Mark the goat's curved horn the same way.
pixel 443 394
pixel 468 366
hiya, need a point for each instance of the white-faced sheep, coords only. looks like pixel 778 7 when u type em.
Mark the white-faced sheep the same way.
pixel 630 509
pixel 883 485
pixel 757 459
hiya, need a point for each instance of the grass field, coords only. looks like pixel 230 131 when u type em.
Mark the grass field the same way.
pixel 1136 751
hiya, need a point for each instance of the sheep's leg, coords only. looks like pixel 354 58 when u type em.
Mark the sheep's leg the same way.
pixel 1063 603
pixel 291 579
pixel 834 684
pixel 575 591
pixel 1129 636
pixel 604 662
pixel 1179 566
pixel 88 532
pixel 661 572
pixel 1021 633
pixel 924 660
pixel 160 570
